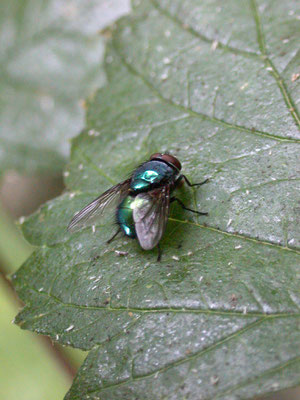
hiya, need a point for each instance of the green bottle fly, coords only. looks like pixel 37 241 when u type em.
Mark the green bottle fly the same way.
pixel 143 201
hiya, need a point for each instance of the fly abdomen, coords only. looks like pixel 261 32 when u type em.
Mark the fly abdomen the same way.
pixel 125 217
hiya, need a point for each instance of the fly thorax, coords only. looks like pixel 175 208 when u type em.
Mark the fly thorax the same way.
pixel 152 174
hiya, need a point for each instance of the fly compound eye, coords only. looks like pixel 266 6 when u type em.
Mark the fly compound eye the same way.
pixel 156 155
pixel 171 160
pixel 168 158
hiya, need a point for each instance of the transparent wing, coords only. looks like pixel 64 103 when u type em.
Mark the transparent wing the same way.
pixel 89 214
pixel 150 215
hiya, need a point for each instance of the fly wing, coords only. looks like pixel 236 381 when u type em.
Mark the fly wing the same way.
pixel 150 215
pixel 89 214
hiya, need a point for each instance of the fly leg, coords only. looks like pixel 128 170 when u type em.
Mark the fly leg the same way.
pixel 186 208
pixel 114 236
pixel 159 252
pixel 194 184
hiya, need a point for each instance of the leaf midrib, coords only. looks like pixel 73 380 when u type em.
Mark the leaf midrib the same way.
pixel 162 310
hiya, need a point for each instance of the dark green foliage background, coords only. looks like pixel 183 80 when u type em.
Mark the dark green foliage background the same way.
pixel 212 83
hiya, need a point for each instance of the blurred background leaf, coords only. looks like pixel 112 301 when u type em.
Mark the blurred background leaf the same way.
pixel 29 370
pixel 51 55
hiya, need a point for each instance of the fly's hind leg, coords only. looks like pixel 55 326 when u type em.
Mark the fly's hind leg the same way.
pixel 186 208
pixel 159 253
pixel 114 236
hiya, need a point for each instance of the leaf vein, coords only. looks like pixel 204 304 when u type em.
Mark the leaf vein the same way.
pixel 270 371
pixel 271 67
pixel 166 310
pixel 218 121
pixel 200 36
pixel 186 359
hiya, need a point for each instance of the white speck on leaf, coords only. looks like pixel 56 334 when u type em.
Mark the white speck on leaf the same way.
pixel 244 86
pixel 214 380
pixel 69 328
pixel 214 45
pixel 121 253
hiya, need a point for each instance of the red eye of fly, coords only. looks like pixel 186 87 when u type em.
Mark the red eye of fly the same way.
pixel 167 158
pixel 156 155
pixel 171 160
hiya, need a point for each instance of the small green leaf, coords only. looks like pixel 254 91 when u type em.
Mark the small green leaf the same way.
pixel 50 62
pixel 218 318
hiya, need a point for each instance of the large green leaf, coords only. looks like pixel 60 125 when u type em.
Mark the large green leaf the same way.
pixel 50 54
pixel 210 81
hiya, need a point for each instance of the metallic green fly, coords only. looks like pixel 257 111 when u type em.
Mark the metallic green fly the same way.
pixel 142 201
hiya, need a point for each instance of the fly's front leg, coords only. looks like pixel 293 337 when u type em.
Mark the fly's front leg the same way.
pixel 186 208
pixel 194 184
